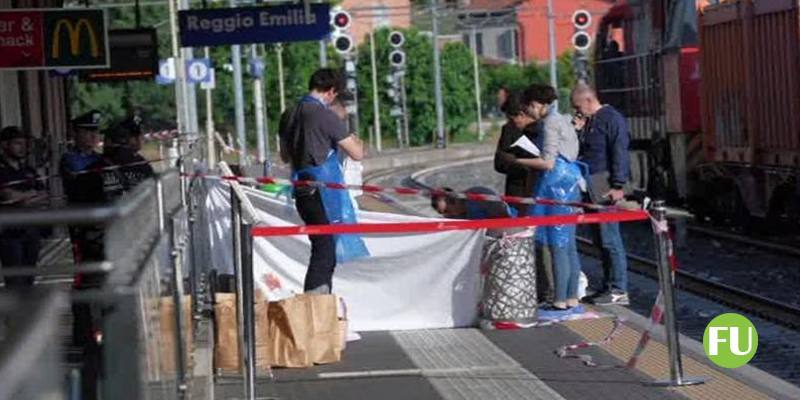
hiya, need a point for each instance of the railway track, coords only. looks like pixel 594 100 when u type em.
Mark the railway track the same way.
pixel 758 243
pixel 775 311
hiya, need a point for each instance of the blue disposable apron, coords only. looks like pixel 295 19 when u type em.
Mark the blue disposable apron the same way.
pixel 563 184
pixel 336 202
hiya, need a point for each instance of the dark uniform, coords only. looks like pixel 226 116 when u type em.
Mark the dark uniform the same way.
pixel 119 151
pixel 19 246
pixel 81 189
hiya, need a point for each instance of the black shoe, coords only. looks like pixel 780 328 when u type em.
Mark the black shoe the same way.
pixel 614 297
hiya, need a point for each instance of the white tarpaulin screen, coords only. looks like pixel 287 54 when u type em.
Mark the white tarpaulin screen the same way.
pixel 410 281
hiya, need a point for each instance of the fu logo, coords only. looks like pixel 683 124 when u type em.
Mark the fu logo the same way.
pixel 730 340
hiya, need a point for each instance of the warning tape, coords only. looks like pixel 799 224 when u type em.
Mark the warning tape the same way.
pixel 450 225
pixel 418 192
pixel 568 350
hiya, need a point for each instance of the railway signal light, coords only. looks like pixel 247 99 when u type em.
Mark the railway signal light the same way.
pixel 340 20
pixel 581 19
pixel 343 43
pixel 397 58
pixel 396 39
pixel 581 41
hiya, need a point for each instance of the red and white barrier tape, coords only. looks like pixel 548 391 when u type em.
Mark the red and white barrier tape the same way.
pixel 568 350
pixel 419 192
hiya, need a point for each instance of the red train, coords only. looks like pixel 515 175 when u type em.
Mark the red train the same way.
pixel 712 94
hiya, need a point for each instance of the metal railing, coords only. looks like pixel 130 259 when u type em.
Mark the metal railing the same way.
pixel 138 308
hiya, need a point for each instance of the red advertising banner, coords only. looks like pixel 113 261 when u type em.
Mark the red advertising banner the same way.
pixel 53 38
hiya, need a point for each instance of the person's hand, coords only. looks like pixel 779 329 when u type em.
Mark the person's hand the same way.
pixel 615 195
pixel 508 158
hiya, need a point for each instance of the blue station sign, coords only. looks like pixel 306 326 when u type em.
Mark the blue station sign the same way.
pixel 272 24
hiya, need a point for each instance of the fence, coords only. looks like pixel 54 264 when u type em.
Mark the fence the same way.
pixel 139 312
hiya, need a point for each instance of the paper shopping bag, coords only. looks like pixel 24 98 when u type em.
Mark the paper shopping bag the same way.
pixel 226 348
pixel 304 330
pixel 167 353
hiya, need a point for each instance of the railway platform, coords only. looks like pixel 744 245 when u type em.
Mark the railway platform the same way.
pixel 503 364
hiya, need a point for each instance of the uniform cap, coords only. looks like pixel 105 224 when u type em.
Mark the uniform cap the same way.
pixel 89 120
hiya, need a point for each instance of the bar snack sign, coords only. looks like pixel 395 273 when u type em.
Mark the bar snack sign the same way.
pixel 53 38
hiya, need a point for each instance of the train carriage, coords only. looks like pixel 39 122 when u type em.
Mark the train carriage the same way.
pixel 713 100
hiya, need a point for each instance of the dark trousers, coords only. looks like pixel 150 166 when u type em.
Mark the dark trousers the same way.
pixel 20 248
pixel 323 247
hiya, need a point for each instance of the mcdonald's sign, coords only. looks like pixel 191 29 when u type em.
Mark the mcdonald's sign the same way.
pixel 54 38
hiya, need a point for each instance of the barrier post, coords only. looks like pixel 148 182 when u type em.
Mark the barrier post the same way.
pixel 236 232
pixel 248 290
pixel 667 284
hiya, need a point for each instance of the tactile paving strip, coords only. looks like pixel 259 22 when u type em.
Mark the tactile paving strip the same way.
pixel 654 363
pixel 470 366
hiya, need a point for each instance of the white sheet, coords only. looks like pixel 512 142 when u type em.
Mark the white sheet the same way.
pixel 411 281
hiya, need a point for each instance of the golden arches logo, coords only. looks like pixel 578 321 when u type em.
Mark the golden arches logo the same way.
pixel 74 32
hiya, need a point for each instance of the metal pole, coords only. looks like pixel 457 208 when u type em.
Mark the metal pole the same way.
pixel 323 53
pixel 551 34
pixel 281 89
pixel 179 68
pixel 405 109
pixel 437 81
pixel 477 82
pixel 177 300
pixel 248 290
pixel 667 289
pixel 376 111
pixel 236 55
pixel 236 232
pixel 258 101
pixel 212 156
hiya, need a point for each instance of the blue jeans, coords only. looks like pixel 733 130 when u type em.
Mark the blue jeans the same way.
pixel 615 261
pixel 566 269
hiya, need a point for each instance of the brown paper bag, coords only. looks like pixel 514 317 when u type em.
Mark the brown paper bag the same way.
pixel 226 346
pixel 167 327
pixel 302 331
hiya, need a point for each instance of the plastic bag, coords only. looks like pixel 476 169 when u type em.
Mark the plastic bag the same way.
pixel 562 183
pixel 338 208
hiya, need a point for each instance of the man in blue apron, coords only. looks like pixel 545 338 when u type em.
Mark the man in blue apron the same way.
pixel 311 135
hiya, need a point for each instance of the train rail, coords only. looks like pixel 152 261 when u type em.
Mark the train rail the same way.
pixel 774 311
pixel 759 243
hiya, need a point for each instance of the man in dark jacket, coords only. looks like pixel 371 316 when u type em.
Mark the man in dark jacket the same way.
pixel 605 139
pixel 123 143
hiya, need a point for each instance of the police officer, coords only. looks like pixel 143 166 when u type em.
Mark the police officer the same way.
pixel 122 146
pixel 20 188
pixel 82 155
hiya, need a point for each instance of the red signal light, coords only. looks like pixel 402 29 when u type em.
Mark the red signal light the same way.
pixel 341 20
pixel 581 19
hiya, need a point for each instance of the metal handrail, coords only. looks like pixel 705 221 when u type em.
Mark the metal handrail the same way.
pixel 81 215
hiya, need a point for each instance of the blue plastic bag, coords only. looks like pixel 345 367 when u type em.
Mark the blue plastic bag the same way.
pixel 562 183
pixel 338 207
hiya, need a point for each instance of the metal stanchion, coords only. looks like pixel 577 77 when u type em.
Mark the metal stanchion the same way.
pixel 248 289
pixel 177 299
pixel 666 281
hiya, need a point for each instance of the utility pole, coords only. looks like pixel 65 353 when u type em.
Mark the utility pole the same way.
pixel 236 55
pixel 180 107
pixel 189 92
pixel 551 33
pixel 281 88
pixel 258 102
pixel 437 79
pixel 212 159
pixel 375 105
pixel 477 82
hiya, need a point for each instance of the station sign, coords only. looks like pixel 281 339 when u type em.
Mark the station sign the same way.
pixel 246 25
pixel 53 39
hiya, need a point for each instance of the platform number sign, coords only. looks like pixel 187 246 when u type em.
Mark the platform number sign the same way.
pixel 198 70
